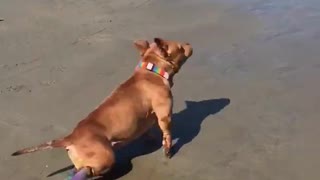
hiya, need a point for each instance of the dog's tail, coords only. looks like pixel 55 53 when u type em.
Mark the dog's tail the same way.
pixel 59 143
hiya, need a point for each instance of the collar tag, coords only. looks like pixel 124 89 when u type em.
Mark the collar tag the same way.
pixel 149 66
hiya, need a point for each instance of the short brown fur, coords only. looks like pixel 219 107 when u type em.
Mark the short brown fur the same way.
pixel 129 112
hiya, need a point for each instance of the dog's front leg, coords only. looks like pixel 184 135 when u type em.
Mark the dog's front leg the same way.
pixel 165 125
pixel 163 112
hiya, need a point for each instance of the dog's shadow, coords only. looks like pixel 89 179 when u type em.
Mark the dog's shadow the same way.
pixel 186 125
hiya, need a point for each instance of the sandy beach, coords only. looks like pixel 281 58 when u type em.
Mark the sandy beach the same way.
pixel 246 103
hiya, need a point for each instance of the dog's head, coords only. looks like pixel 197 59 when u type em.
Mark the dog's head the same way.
pixel 173 52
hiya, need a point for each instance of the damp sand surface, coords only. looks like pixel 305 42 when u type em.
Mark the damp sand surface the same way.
pixel 246 104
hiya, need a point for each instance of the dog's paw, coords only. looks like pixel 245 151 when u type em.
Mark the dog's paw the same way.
pixel 167 153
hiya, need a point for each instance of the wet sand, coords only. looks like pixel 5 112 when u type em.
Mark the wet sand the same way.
pixel 246 103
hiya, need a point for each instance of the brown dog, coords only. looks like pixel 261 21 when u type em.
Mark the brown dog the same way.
pixel 129 112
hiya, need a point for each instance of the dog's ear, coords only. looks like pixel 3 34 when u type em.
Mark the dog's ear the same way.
pixel 142 46
pixel 188 51
pixel 163 46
